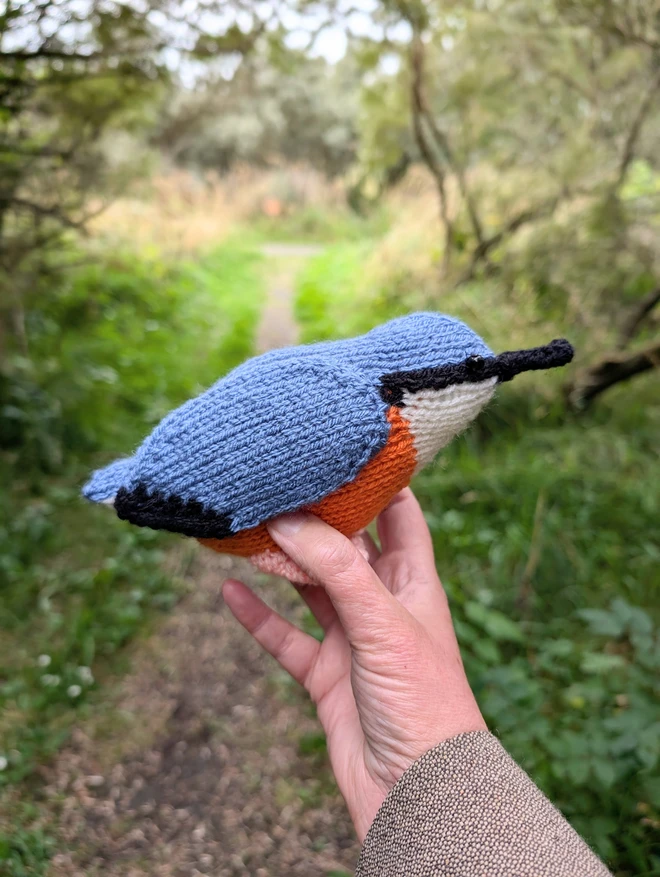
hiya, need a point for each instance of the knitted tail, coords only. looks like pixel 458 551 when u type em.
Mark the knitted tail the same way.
pixel 104 483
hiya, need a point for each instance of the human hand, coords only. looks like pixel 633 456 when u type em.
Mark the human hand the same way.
pixel 387 680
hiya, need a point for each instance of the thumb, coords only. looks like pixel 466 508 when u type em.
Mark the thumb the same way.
pixel 366 609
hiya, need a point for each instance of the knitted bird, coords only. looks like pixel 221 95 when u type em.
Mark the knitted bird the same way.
pixel 336 428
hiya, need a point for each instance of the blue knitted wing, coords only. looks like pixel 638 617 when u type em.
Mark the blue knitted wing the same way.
pixel 271 437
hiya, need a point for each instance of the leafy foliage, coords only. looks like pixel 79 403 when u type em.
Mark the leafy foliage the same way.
pixel 532 521
pixel 539 125
pixel 141 336
pixel 121 312
pixel 280 106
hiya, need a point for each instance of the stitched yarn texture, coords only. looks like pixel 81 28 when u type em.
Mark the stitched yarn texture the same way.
pixel 348 509
pixel 336 428
pixel 281 432
pixel 436 417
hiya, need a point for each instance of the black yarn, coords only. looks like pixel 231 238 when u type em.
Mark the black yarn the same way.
pixel 172 513
pixel 504 367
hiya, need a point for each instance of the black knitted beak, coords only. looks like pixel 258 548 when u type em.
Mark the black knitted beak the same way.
pixel 474 369
pixel 507 365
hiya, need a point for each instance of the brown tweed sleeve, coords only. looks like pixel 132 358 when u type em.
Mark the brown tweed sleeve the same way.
pixel 465 809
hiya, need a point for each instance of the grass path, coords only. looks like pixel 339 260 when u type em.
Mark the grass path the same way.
pixel 278 327
pixel 193 765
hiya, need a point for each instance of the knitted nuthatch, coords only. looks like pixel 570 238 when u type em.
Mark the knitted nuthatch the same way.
pixel 335 428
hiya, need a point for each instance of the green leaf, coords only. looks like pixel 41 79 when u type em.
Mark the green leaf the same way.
pixel 605 772
pixel 651 790
pixel 495 623
pixel 487 650
pixel 597 662
pixel 578 771
pixel 603 623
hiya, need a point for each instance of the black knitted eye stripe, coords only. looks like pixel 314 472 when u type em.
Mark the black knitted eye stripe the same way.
pixel 475 369
pixel 395 385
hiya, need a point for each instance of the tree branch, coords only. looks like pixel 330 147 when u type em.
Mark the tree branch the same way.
pixel 48 212
pixel 22 55
pixel 628 155
pixel 629 36
pixel 610 370
pixel 635 320
pixel 39 152
pixel 442 141
pixel 430 159
pixel 481 252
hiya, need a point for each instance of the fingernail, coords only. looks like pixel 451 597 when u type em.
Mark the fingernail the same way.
pixel 288 525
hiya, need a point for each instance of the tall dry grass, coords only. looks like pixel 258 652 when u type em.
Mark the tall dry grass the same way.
pixel 182 212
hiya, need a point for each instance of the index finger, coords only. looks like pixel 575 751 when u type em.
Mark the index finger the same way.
pixel 402 527
pixel 365 607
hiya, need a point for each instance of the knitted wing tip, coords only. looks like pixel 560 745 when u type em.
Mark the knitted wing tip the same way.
pixel 102 487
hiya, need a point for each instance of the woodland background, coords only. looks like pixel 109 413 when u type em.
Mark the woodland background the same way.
pixel 494 159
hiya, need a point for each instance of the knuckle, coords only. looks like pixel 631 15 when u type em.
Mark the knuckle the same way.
pixel 285 644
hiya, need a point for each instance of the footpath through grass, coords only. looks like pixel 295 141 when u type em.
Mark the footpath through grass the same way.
pixel 546 533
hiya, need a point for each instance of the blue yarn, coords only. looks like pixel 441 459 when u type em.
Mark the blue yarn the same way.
pixel 415 341
pixel 287 428
pixel 105 483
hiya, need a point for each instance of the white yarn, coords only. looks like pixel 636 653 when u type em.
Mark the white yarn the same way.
pixel 437 416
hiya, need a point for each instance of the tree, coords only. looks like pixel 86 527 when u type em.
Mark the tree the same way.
pixel 539 123
pixel 280 105
pixel 70 75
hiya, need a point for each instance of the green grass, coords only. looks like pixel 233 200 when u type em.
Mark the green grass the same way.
pixel 545 528
pixel 315 224
pixel 123 340
pixel 25 853
pixel 328 296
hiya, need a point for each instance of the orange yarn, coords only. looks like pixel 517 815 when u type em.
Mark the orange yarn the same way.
pixel 353 506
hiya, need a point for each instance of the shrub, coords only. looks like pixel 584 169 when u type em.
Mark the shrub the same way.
pixel 112 347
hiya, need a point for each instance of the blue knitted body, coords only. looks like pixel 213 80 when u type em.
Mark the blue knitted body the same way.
pixel 285 429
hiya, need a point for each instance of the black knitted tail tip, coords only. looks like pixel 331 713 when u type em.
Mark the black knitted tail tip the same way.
pixel 172 513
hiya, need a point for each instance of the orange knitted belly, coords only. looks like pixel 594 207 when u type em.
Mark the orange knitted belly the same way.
pixel 353 506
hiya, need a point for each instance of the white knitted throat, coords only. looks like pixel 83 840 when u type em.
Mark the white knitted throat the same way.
pixel 437 416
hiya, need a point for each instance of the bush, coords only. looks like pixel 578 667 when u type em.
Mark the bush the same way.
pixel 124 333
pixel 112 347
pixel 548 552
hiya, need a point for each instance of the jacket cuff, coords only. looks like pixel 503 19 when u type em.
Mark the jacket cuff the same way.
pixel 465 809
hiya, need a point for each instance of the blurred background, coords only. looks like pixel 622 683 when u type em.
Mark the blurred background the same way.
pixel 184 183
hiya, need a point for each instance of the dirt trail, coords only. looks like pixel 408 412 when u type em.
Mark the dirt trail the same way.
pixel 193 764
pixel 278 327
